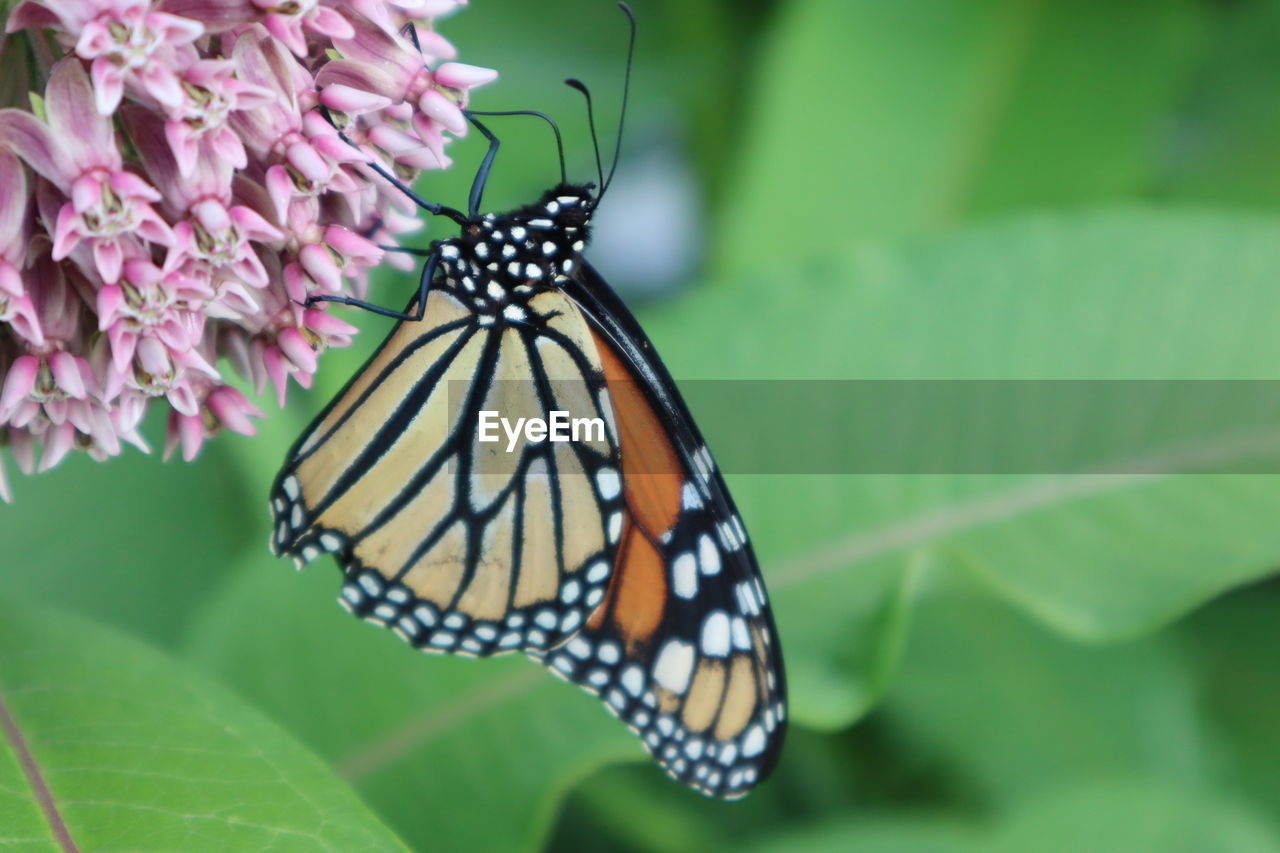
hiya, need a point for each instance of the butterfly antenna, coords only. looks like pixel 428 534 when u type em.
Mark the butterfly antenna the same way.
pixel 575 83
pixel 626 93
pixel 555 129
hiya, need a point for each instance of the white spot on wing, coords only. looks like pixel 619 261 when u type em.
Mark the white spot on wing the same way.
pixel 608 482
pixel 597 571
pixel 715 634
pixel 708 555
pixel 633 680
pixel 674 666
pixel 684 575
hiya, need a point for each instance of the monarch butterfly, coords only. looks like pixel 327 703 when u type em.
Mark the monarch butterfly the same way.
pixel 617 560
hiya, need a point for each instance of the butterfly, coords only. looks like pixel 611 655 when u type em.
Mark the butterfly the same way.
pixel 613 556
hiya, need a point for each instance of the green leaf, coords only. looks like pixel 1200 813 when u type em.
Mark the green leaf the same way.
pixel 906 116
pixel 1131 817
pixel 1114 296
pixel 1104 817
pixel 1236 644
pixel 129 751
pixel 1224 138
pixel 455 754
pixel 1013 710
pixel 132 541
pixel 921 833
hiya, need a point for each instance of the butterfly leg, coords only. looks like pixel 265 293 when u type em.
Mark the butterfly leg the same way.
pixel 416 308
pixel 482 174
pixel 431 207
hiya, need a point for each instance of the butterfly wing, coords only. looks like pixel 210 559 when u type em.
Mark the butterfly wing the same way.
pixel 683 649
pixel 456 544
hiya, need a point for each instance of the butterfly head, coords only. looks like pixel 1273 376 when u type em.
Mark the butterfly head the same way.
pixel 537 245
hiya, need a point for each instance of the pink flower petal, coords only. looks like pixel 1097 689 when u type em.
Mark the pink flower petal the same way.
pixel 109 258
pixel 280 188
pixel 173 29
pixel 228 146
pixel 184 430
pixel 443 110
pixel 66 232
pixel 288 29
pixel 274 364
pixel 330 23
pixel 378 48
pixel 23 447
pixel 297 350
pixel 319 264
pixel 348 99
pixel 184 143
pixel 183 399
pixel 217 16
pixel 420 158
pixel 151 227
pixel 233 410
pixel 124 344
pixel 324 323
pixel 304 157
pixel 162 84
pixel 31 15
pixel 108 85
pixel 110 300
pixel 31 140
pixel 14 198
pixel 19 381
pixel 457 75
pixel 66 372
pixel 351 245
pixel 253 226
pixel 58 442
pixel 295 283
pixel 76 116
pixel 86 192
pixel 129 184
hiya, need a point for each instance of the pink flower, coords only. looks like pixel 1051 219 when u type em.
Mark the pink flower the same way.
pixel 287 21
pixel 181 190
pixel 127 42
pixel 150 302
pixel 16 308
pixel 108 206
pixel 210 93
pixel 224 407
pixel 383 70
pixel 50 391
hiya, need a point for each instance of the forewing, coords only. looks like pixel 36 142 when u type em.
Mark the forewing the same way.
pixel 456 544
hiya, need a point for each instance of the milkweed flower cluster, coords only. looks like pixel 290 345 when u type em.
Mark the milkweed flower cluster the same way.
pixel 174 186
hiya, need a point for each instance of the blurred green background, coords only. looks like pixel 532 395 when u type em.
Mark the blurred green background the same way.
pixel 940 189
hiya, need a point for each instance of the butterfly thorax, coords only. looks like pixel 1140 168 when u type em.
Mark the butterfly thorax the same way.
pixel 500 261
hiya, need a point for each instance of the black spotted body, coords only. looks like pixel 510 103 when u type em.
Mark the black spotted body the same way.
pixel 499 263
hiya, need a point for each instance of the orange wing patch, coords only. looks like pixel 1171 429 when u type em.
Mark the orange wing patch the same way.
pixel 650 467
